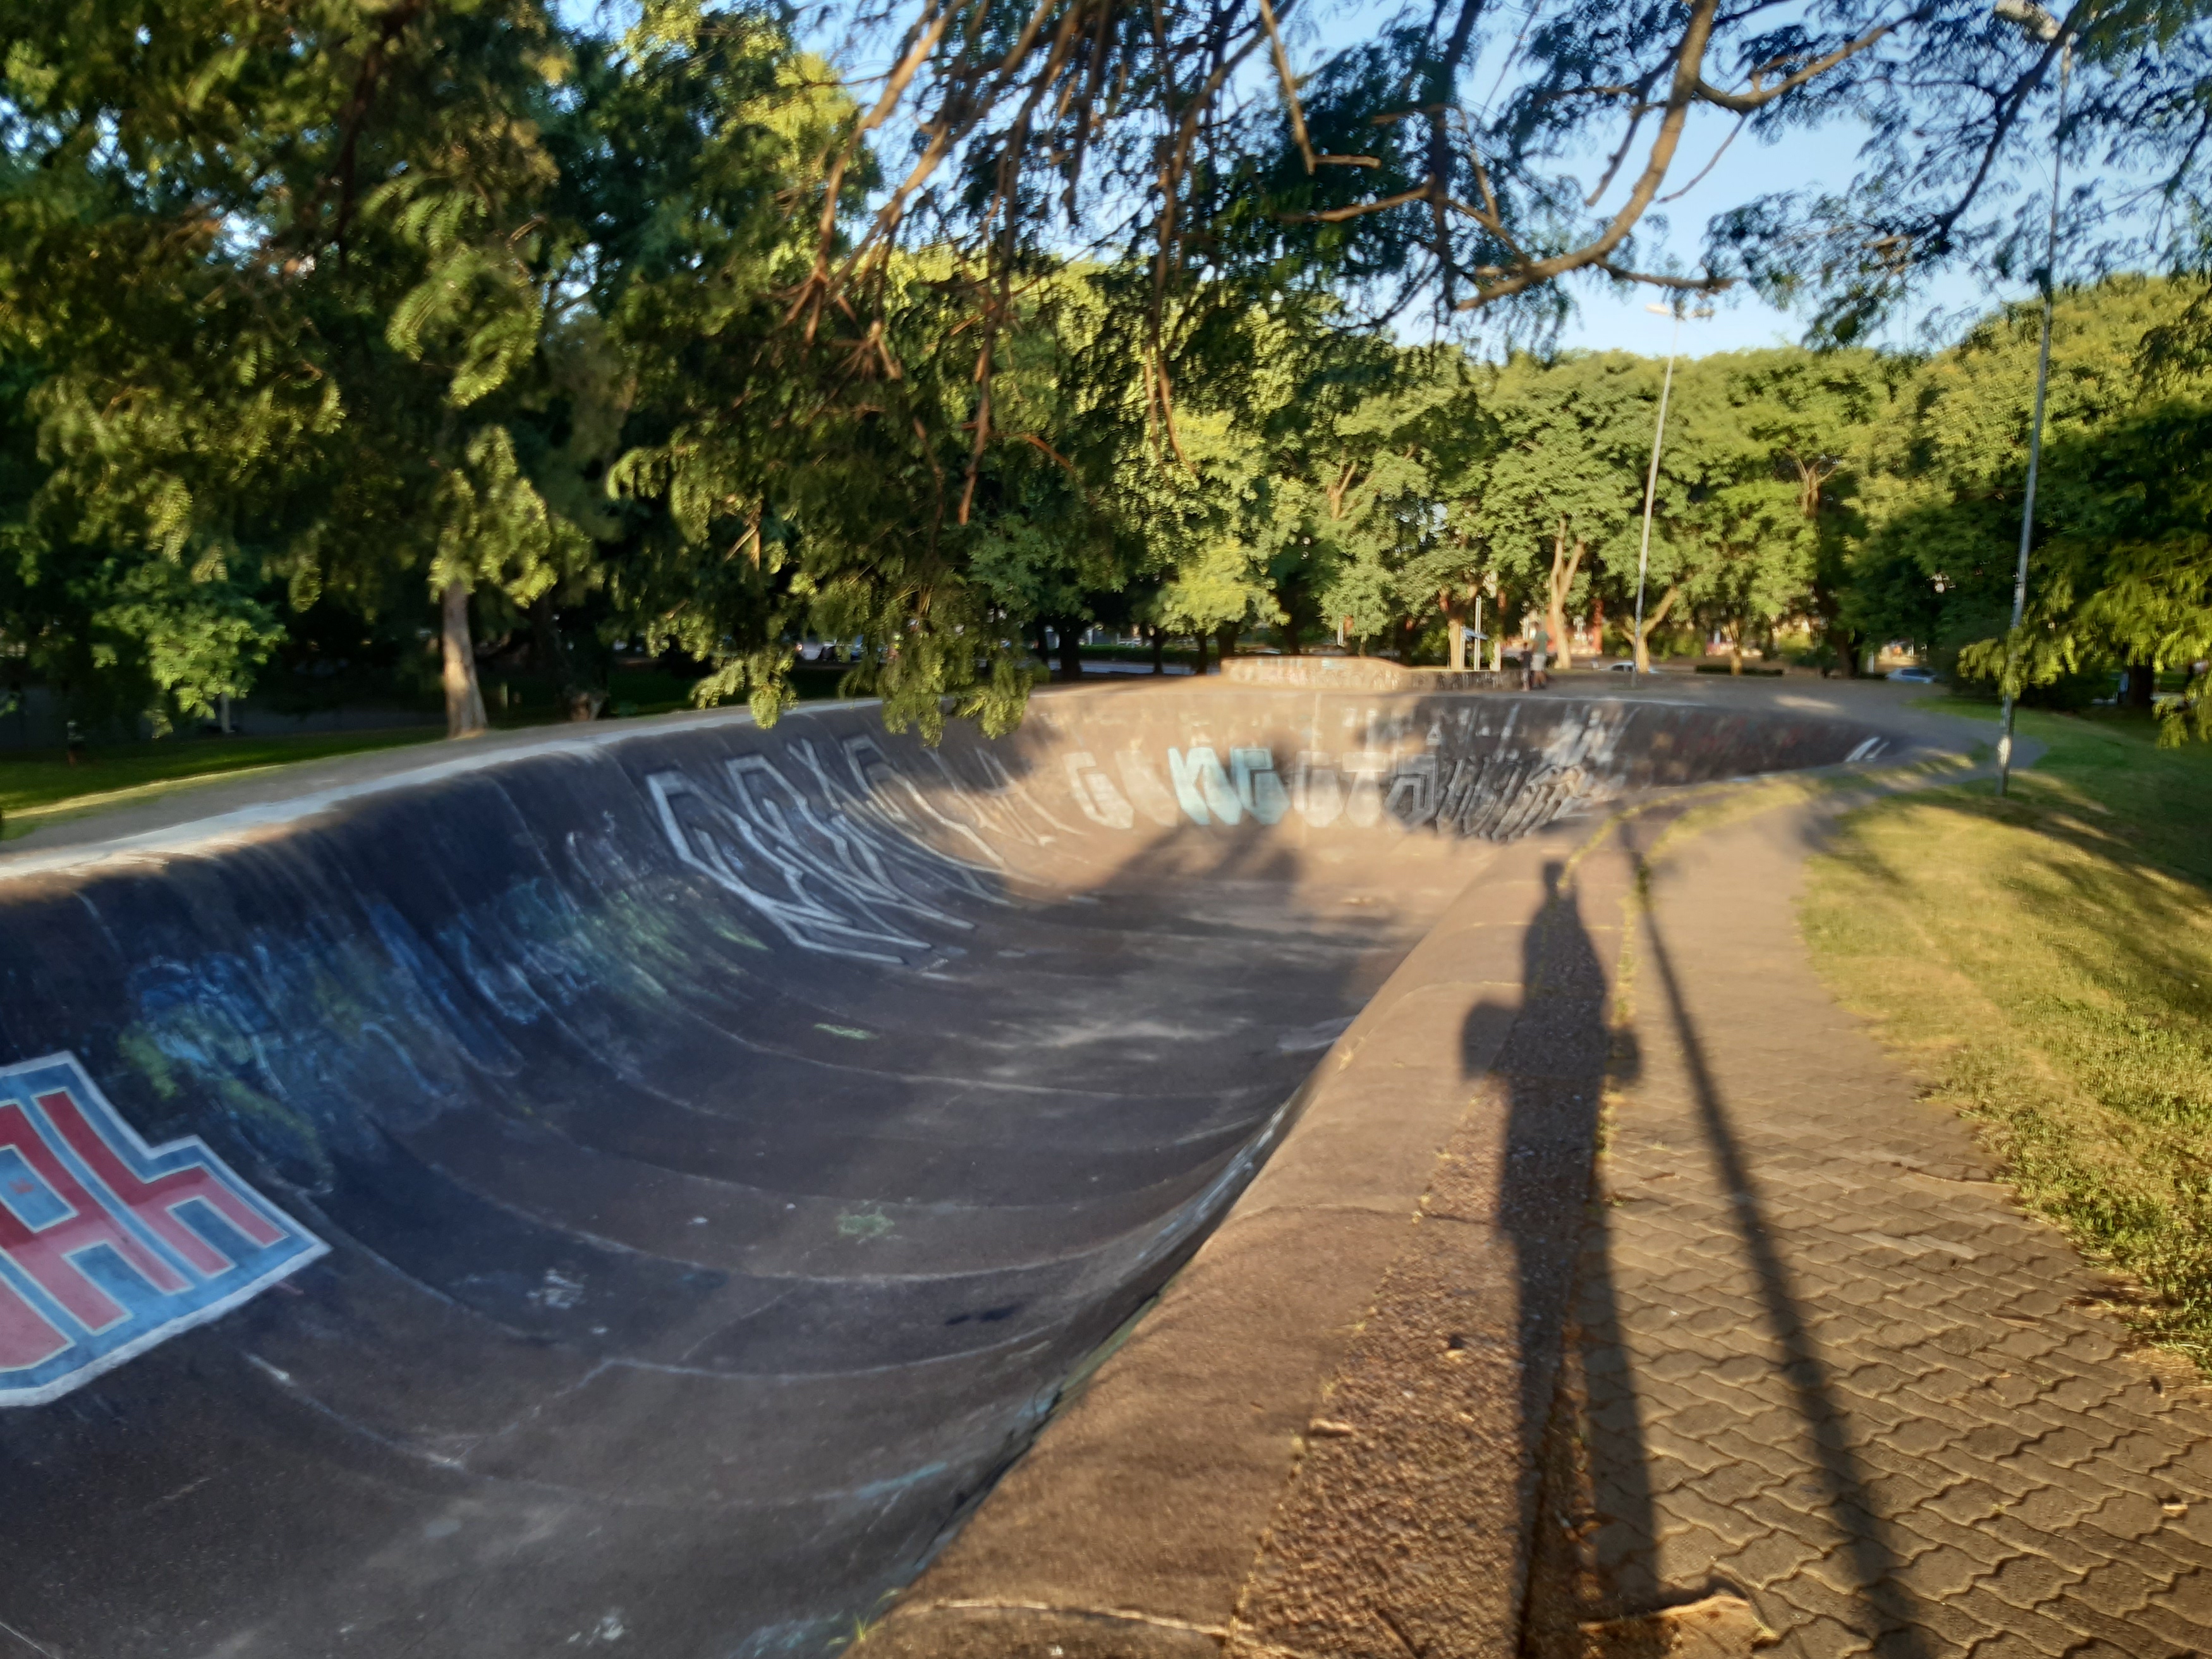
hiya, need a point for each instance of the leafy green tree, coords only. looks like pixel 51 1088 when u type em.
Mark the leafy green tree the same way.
pixel 1405 528
pixel 1560 491
pixel 328 249
pixel 1806 420
pixel 2112 574
pixel 2127 573
pixel 1756 480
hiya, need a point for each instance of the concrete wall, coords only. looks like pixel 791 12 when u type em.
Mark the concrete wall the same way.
pixel 726 1142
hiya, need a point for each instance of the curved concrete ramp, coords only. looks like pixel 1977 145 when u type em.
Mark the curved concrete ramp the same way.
pixel 638 1189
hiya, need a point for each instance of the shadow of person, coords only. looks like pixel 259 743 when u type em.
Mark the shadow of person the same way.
pixel 1601 1463
pixel 1551 1070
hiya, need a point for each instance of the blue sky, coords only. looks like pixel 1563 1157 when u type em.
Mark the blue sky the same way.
pixel 1608 319
pixel 1605 317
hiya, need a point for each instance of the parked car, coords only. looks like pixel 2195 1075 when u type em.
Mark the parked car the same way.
pixel 1625 666
pixel 1913 675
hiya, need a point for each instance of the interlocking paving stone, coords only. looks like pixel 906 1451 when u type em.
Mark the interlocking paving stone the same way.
pixel 1834 1366
pixel 1822 1637
pixel 2190 1596
pixel 2163 1621
pixel 2100 1632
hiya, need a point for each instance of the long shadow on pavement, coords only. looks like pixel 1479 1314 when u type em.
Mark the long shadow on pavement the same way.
pixel 1630 1577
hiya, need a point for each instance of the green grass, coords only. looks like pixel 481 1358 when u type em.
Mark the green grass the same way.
pixel 2044 964
pixel 37 786
pixel 40 786
pixel 2108 766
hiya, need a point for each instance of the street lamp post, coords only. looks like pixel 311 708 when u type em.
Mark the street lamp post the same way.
pixel 2041 24
pixel 1651 479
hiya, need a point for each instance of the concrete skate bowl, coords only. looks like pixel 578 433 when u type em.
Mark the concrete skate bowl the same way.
pixel 638 1189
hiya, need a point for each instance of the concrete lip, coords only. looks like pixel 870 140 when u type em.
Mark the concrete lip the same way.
pixel 728 1143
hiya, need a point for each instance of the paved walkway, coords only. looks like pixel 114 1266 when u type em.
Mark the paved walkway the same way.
pixel 1822 1362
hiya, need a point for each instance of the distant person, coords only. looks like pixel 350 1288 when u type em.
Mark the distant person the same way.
pixel 1533 678
pixel 73 741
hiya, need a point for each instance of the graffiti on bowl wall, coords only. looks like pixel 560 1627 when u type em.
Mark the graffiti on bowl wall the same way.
pixel 1453 774
pixel 109 1246
pixel 847 851
pixel 852 858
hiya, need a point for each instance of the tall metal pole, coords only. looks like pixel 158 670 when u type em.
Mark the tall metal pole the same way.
pixel 2035 429
pixel 1651 489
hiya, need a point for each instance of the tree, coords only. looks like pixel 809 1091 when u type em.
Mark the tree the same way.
pixel 446 299
pixel 1941 187
pixel 1413 159
pixel 330 297
pixel 2112 573
pixel 1560 493
pixel 1423 439
pixel 2126 575
pixel 1758 474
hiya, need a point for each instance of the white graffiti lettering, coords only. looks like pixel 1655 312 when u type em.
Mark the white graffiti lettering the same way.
pixel 1500 790
pixel 1203 787
pixel 851 876
pixel 1101 803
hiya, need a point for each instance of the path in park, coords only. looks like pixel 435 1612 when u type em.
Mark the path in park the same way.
pixel 1822 1359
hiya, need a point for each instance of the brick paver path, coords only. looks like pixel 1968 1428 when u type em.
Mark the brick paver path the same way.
pixel 1824 1360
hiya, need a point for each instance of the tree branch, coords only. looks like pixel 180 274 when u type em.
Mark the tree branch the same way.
pixel 1745 103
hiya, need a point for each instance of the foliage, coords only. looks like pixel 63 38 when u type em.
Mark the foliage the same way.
pixel 1453 156
pixel 317 280
pixel 2119 570
pixel 1774 453
pixel 412 333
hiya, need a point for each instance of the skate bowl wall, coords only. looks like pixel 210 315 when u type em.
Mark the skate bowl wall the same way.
pixel 640 1188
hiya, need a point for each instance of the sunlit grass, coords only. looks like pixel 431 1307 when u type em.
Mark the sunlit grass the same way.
pixel 2044 962
pixel 37 786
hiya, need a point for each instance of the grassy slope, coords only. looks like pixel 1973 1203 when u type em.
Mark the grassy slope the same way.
pixel 39 785
pixel 2044 964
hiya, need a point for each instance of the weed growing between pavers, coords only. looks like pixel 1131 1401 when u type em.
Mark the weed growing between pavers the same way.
pixel 2046 964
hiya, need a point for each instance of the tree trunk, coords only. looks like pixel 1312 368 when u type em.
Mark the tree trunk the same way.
pixel 1159 638
pixel 1071 651
pixel 1642 636
pixel 1850 649
pixel 2142 685
pixel 1562 582
pixel 1225 639
pixel 465 707
pixel 1597 622
pixel 1198 639
pixel 1455 628
pixel 1735 649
